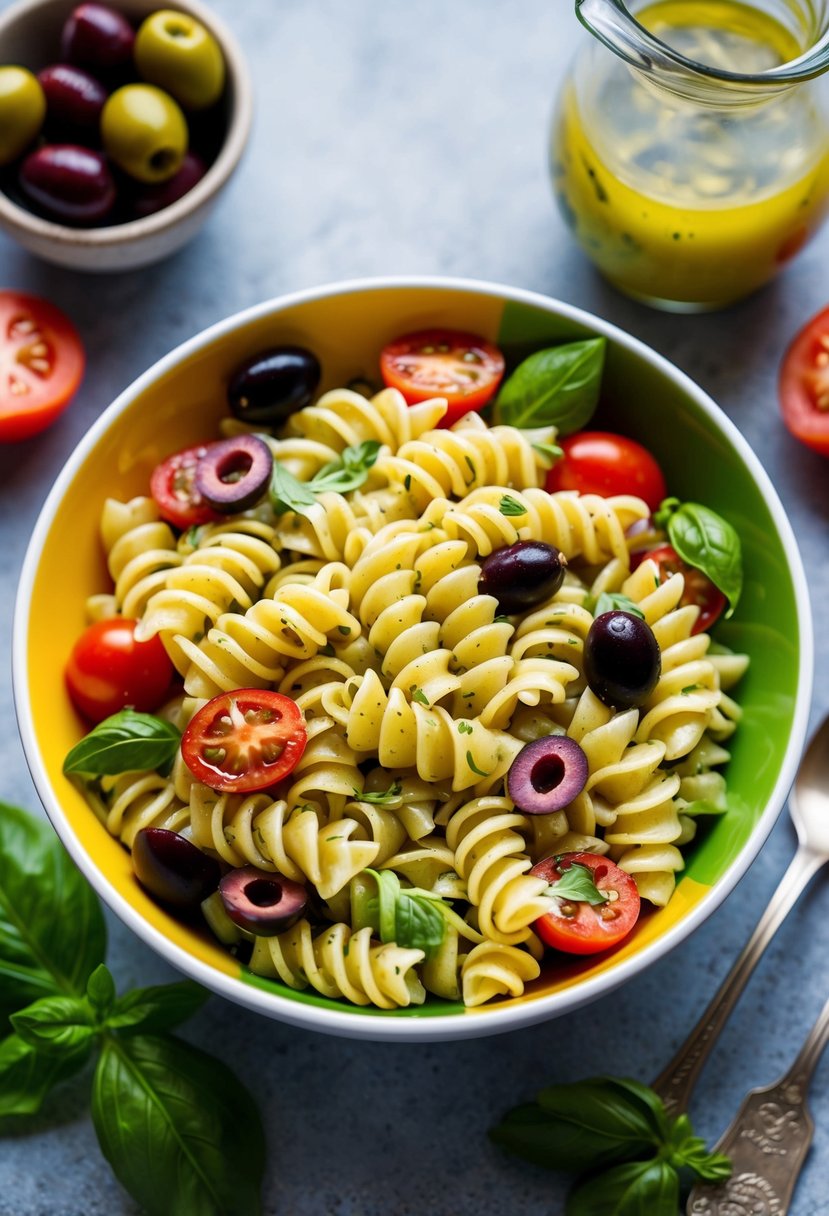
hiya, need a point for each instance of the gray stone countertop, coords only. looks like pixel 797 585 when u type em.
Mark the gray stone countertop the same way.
pixel 411 138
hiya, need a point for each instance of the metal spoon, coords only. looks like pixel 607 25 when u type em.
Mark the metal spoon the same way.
pixel 809 809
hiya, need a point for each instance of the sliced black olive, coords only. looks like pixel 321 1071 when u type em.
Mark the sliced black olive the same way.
pixel 622 661
pixel 263 903
pixel 273 384
pixel 547 775
pixel 172 869
pixel 234 473
pixel 522 575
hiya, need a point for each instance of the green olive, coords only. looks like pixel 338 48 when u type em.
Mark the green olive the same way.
pixel 177 53
pixel 22 110
pixel 144 132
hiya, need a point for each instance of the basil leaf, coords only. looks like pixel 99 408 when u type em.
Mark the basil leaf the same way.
pixel 350 471
pixel 100 990
pixel 419 923
pixel 127 742
pixel 380 799
pixel 511 506
pixel 27 1075
pixel 150 1010
pixel 703 539
pixel 550 451
pixel 603 1120
pixel 288 493
pixel 52 931
pixel 388 889
pixel 558 386
pixel 56 1025
pixel 528 1131
pixel 614 601
pixel 577 884
pixel 690 1152
pixel 181 1133
pixel 636 1188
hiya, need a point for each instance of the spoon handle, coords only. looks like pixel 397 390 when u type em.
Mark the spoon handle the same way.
pixel 676 1082
pixel 767 1140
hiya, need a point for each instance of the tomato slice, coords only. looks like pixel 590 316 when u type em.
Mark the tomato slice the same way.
pixel 804 384
pixel 461 367
pixel 109 670
pixel 41 364
pixel 244 740
pixel 173 486
pixel 699 589
pixel 579 927
pixel 600 462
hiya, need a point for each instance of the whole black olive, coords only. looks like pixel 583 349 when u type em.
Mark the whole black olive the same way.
pixel 274 384
pixel 233 474
pixel 522 575
pixel 547 775
pixel 172 869
pixel 622 661
pixel 263 903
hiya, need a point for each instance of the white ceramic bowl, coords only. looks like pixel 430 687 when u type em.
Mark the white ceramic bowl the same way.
pixel 180 400
pixel 30 37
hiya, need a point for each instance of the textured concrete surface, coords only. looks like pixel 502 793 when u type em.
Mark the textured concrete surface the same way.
pixel 410 137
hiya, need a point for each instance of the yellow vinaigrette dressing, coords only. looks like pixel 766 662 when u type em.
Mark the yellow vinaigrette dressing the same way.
pixel 682 203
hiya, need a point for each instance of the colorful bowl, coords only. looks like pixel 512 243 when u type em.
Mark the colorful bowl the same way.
pixel 179 402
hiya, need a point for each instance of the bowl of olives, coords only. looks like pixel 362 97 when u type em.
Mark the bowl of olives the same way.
pixel 120 124
pixel 374 707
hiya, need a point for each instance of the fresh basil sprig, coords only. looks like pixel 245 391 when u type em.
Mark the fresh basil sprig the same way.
pixel 124 743
pixel 411 918
pixel 705 540
pixel 155 1099
pixel 556 387
pixel 613 601
pixel 577 885
pixel 616 1130
pixel 349 472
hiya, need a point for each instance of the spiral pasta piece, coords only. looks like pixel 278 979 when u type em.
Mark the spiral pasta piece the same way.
pixel 342 418
pixel 140 549
pixel 132 801
pixel 493 969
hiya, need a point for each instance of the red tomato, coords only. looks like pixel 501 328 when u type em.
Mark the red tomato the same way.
pixel 599 462
pixel 699 589
pixel 173 486
pixel 41 364
pixel 244 740
pixel 804 384
pixel 461 367
pixel 578 927
pixel 108 670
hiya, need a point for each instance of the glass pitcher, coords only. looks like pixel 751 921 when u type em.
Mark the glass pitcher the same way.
pixel 690 146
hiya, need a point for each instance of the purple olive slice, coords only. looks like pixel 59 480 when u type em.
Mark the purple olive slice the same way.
pixel 171 868
pixel 234 473
pixel 622 660
pixel 522 575
pixel 547 775
pixel 262 903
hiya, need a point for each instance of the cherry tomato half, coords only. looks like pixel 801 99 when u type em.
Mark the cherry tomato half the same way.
pixel 804 384
pixel 578 927
pixel 41 364
pixel 461 367
pixel 173 486
pixel 244 740
pixel 699 589
pixel 108 670
pixel 599 462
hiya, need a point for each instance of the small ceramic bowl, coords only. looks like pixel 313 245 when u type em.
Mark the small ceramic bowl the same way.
pixel 30 36
pixel 179 403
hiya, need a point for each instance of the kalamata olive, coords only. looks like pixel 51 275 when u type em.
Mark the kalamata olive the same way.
pixel 96 36
pixel 172 869
pixel 622 660
pixel 273 384
pixel 522 575
pixel 74 99
pixel 547 775
pixel 147 199
pixel 69 183
pixel 233 474
pixel 263 903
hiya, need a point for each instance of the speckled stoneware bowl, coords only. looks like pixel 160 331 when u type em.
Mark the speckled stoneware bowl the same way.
pixel 180 401
pixel 30 36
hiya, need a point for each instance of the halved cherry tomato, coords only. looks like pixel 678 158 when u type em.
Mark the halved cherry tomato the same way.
pixel 244 740
pixel 41 364
pixel 108 670
pixel 804 384
pixel 578 927
pixel 173 486
pixel 461 367
pixel 699 589
pixel 599 462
